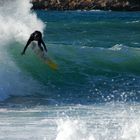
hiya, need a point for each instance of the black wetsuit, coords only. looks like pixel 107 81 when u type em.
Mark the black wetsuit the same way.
pixel 35 36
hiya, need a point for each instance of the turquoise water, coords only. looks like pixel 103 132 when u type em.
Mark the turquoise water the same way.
pixel 97 54
pixel 94 94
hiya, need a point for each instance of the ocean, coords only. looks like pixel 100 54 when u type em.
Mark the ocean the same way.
pixel 94 94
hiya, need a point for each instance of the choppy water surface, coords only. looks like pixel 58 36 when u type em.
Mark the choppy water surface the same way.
pixel 94 95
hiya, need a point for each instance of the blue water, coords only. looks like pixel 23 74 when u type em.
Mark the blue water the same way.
pixel 97 54
pixel 94 94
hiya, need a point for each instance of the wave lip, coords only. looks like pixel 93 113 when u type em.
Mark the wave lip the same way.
pixel 17 20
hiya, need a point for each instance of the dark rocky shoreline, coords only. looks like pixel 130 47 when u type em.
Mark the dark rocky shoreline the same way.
pixel 114 5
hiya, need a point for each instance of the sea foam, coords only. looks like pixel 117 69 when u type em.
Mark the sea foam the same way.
pixel 17 21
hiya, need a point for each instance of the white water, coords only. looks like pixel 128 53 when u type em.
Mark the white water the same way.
pixel 17 21
pixel 102 122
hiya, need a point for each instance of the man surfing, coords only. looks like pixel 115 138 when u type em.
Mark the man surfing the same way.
pixel 35 36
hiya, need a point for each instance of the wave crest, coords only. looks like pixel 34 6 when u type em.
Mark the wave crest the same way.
pixel 17 20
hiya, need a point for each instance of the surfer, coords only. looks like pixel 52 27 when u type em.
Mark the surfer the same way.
pixel 35 36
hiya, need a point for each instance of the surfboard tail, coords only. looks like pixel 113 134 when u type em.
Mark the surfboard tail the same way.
pixel 51 64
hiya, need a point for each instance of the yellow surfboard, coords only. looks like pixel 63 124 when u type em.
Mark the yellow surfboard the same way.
pixel 44 57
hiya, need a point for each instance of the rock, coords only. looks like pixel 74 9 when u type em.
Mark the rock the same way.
pixel 115 5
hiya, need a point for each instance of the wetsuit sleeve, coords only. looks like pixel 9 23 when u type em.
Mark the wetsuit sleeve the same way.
pixel 28 42
pixel 44 45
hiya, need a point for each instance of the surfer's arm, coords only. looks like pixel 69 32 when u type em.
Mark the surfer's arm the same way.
pixel 44 45
pixel 28 42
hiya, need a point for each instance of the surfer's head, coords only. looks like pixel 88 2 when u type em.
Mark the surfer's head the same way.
pixel 37 35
